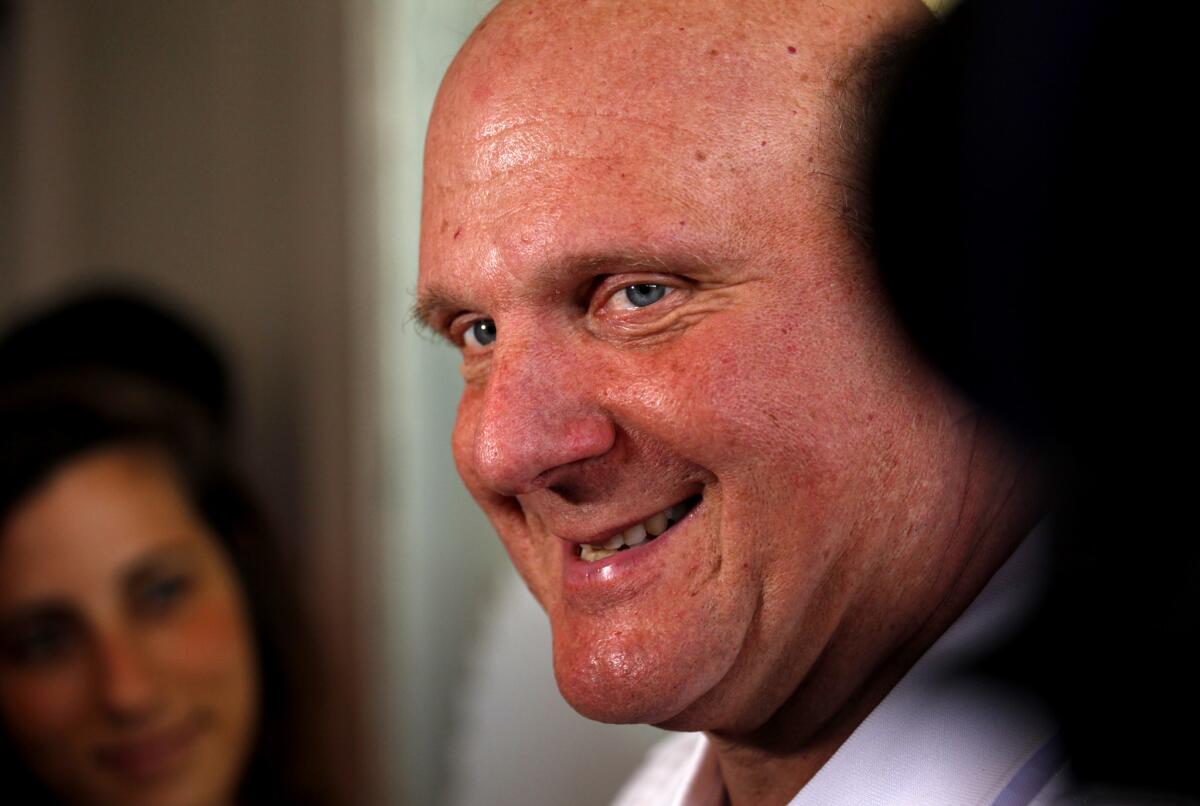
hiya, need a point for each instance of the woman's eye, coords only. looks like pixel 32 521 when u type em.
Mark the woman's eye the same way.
pixel 38 643
pixel 159 596
pixel 643 294
pixel 481 333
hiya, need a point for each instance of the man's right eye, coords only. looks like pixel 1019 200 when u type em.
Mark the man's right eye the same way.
pixel 481 333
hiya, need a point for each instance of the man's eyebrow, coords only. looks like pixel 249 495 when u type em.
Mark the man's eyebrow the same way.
pixel 626 260
pixel 429 308
pixel 613 261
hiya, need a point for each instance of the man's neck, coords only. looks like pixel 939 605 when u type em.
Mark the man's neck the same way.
pixel 773 763
pixel 771 767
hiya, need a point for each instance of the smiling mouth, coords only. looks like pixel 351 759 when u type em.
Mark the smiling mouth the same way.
pixel 639 533
pixel 153 755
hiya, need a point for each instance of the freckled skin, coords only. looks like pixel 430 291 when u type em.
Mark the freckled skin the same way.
pixel 129 673
pixel 852 504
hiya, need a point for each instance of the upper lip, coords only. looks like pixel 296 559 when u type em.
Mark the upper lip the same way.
pixel 587 534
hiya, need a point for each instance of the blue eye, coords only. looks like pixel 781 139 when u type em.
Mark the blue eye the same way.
pixel 481 333
pixel 644 294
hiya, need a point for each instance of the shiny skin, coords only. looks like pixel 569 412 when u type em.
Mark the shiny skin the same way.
pixel 578 149
pixel 127 671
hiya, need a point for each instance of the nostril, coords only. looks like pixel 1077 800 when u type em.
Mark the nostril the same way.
pixel 571 493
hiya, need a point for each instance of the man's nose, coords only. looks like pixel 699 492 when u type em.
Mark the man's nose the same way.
pixel 542 411
pixel 125 678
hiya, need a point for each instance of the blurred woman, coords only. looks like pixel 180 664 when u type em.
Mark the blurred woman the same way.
pixel 148 644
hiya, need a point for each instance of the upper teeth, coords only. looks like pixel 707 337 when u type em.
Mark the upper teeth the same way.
pixel 635 535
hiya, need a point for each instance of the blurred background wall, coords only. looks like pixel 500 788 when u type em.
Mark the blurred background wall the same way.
pixel 199 151
pixel 259 162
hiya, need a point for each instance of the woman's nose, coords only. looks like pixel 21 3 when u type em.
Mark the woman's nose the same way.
pixel 125 678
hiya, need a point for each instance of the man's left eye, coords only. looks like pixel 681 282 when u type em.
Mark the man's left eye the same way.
pixel 643 294
pixel 480 334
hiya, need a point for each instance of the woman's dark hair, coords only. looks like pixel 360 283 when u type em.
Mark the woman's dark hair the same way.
pixel 52 417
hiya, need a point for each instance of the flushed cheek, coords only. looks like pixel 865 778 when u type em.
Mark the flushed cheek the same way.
pixel 720 403
pixel 42 706
pixel 52 721
pixel 216 671
pixel 536 556
pixel 209 661
pixel 212 641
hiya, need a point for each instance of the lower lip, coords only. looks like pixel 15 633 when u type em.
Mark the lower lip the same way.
pixel 150 759
pixel 627 570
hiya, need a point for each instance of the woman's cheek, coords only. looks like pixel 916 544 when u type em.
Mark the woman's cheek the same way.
pixel 212 640
pixel 43 705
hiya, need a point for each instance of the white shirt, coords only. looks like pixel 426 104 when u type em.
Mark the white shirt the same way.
pixel 936 739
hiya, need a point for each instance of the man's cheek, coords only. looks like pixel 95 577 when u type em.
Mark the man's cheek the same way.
pixel 530 564
pixel 729 400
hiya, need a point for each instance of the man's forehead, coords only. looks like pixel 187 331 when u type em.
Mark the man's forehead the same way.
pixel 635 31
pixel 504 151
pixel 647 39
pixel 614 56
pixel 535 72
pixel 573 118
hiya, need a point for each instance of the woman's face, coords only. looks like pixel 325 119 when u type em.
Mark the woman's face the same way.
pixel 127 669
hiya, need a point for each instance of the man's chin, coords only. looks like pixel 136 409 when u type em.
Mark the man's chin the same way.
pixel 621 686
pixel 661 711
pixel 604 704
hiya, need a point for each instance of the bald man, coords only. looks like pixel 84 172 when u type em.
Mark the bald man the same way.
pixel 750 511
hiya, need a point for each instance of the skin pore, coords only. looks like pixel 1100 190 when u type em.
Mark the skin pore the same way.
pixel 634 230
pixel 127 671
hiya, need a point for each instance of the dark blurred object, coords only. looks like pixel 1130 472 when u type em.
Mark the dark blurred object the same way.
pixel 120 331
pixel 102 364
pixel 1031 182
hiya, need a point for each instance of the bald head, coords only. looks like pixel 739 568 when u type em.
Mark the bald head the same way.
pixel 750 95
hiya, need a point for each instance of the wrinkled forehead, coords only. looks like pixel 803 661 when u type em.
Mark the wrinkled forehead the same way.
pixel 607 125
pixel 545 80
